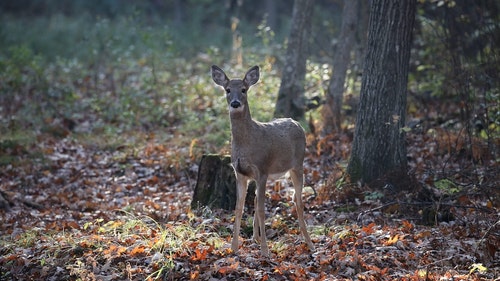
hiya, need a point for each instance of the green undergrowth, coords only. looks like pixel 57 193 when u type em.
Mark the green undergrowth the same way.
pixel 130 237
pixel 99 77
pixel 95 75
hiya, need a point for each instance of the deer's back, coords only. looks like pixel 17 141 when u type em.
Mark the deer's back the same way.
pixel 276 146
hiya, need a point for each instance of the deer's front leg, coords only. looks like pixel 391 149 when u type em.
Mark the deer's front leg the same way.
pixel 256 224
pixel 260 215
pixel 241 192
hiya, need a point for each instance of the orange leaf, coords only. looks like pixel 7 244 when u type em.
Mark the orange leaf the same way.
pixel 372 267
pixel 275 197
pixel 153 180
pixel 368 229
pixel 278 270
pixel 230 268
pixel 152 204
pixel 121 250
pixel 11 257
pixel 392 240
pixel 422 234
pixel 139 250
pixel 194 275
pixel 199 254
pixel 316 176
pixel 407 225
pixel 489 204
pixel 109 250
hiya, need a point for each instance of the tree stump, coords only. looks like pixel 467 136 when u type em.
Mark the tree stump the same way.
pixel 216 184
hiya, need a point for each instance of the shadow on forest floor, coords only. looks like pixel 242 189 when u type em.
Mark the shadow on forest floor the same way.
pixel 74 209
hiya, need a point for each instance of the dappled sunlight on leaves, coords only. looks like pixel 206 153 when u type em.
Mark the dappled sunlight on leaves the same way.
pixel 99 152
pixel 105 203
pixel 124 214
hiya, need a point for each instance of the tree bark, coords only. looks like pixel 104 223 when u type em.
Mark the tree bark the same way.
pixel 272 16
pixel 216 184
pixel 332 117
pixel 379 139
pixel 290 101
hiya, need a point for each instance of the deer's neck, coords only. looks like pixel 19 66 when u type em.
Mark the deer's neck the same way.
pixel 242 126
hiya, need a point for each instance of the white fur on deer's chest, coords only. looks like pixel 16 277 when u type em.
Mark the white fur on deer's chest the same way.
pixel 237 110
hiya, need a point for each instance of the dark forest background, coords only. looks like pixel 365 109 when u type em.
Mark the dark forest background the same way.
pixel 106 108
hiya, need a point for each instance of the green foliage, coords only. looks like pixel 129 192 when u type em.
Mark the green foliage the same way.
pixel 110 76
pixel 429 73
pixel 375 195
pixel 22 73
pixel 28 238
pixel 265 33
pixel 20 66
pixel 16 147
pixel 447 186
pixel 346 209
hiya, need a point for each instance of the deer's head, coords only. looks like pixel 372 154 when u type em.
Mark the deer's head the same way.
pixel 236 89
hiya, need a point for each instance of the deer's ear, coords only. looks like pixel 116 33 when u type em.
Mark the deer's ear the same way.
pixel 219 76
pixel 252 76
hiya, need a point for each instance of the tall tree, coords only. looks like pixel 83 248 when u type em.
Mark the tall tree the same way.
pixel 379 138
pixel 290 101
pixel 272 14
pixel 332 110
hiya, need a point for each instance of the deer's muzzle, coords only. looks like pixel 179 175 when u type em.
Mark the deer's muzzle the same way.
pixel 235 104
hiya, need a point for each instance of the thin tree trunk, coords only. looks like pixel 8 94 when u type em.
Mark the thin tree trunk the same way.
pixel 290 101
pixel 379 139
pixel 359 49
pixel 332 117
pixel 179 13
pixel 271 12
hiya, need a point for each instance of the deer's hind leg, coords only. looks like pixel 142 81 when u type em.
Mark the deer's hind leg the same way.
pixel 297 176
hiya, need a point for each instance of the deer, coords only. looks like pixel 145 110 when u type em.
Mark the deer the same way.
pixel 261 151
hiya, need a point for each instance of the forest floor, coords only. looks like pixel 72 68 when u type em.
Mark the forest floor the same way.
pixel 76 209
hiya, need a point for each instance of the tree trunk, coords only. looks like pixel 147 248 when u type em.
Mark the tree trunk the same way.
pixel 216 184
pixel 179 12
pixel 272 15
pixel 332 118
pixel 290 101
pixel 379 139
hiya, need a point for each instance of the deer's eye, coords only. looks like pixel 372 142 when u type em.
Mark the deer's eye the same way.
pixel 228 90
pixel 243 90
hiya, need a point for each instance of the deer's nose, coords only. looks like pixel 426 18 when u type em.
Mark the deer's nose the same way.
pixel 235 104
